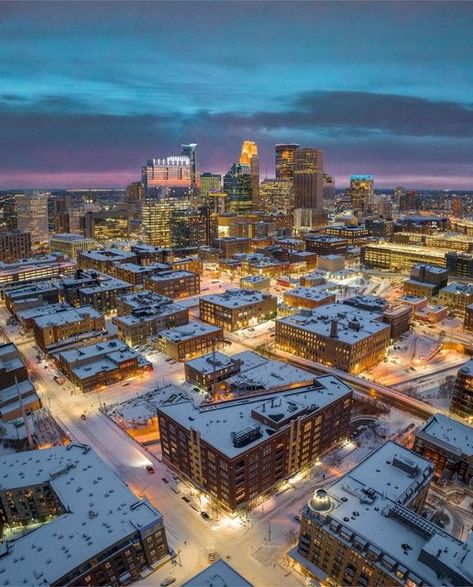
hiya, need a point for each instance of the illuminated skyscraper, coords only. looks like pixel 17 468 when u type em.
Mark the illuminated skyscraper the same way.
pixel 190 151
pixel 362 193
pixel 285 160
pixel 329 190
pixel 237 183
pixel 276 195
pixel 308 179
pixel 32 216
pixel 249 157
pixel 170 172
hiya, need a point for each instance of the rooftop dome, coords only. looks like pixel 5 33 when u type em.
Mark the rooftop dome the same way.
pixel 320 502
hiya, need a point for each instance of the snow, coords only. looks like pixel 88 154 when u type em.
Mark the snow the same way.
pixel 188 331
pixel 83 484
pixel 235 298
pixel 66 316
pixel 455 434
pixel 309 293
pixel 217 422
pixel 378 518
pixel 319 321
pixel 218 574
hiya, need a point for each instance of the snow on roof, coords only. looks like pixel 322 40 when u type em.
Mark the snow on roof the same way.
pixel 96 350
pixel 167 275
pixel 66 316
pixel 44 310
pixel 216 423
pixel 431 268
pixel 211 362
pixel 354 324
pixel 68 237
pixel 100 511
pixel 311 293
pixel 10 358
pixel 181 333
pixel 105 285
pixel 235 298
pixel 464 288
pixel 455 434
pixel 270 374
pixel 324 238
pixel 145 299
pixel 250 359
pixel 134 268
pixel 107 255
pixel 254 278
pixel 218 574
pixel 370 502
pixel 149 314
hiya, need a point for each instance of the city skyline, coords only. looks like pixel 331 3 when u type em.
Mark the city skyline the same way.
pixel 87 95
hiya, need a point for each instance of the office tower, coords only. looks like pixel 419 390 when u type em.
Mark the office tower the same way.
pixel 171 172
pixel 399 191
pixel 362 193
pixel 329 190
pixel 308 178
pixel 237 183
pixel 210 182
pixel 190 151
pixel 276 195
pixel 175 222
pixel 285 160
pixel 32 216
pixel 249 157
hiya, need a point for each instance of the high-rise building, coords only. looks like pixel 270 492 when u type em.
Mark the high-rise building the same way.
pixel 285 160
pixel 276 195
pixel 237 183
pixel 171 172
pixel 249 157
pixel 210 182
pixel 134 192
pixel 308 178
pixel 190 151
pixel 32 216
pixel 329 190
pixel 175 222
pixel 408 201
pixel 362 193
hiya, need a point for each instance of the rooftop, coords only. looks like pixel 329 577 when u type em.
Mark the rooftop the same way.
pixel 107 255
pixel 368 507
pixel 221 425
pixel 66 316
pixel 311 293
pixel 71 238
pixel 211 362
pixel 455 434
pixel 188 331
pixel 218 574
pixel 167 275
pixel 235 298
pixel 100 511
pixel 353 324
pixel 460 288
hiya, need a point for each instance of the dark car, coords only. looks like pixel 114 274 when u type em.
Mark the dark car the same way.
pixel 150 469
pixel 83 417
pixel 205 516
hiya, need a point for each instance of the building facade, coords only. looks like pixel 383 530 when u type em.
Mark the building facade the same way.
pixel 237 451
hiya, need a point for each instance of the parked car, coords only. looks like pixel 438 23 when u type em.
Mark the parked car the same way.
pixel 168 581
pixel 150 469
pixel 83 417
pixel 205 516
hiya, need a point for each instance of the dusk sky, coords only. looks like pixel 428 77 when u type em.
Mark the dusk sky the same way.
pixel 90 91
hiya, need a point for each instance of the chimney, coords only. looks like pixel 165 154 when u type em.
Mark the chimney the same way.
pixel 333 328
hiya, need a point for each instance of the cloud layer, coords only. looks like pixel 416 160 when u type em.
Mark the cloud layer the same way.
pixel 88 94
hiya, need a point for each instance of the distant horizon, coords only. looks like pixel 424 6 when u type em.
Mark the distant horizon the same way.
pixel 89 93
